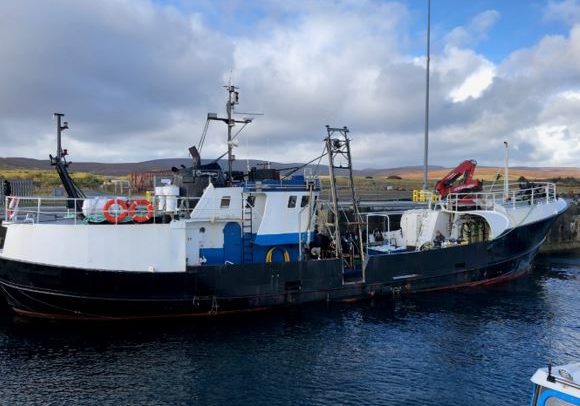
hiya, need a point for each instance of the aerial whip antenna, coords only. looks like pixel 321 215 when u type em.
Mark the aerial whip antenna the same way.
pixel 426 152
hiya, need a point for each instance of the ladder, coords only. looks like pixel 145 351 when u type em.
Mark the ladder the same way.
pixel 339 157
pixel 247 230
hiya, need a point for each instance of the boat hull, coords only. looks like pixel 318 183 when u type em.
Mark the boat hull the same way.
pixel 39 290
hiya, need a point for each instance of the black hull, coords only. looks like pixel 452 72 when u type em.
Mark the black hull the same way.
pixel 37 290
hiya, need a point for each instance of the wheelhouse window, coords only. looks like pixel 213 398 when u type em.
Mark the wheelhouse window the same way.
pixel 304 201
pixel 292 202
pixel 225 203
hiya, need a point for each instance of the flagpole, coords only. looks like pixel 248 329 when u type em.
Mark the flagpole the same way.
pixel 426 151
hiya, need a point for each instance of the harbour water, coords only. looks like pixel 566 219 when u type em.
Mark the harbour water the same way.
pixel 476 347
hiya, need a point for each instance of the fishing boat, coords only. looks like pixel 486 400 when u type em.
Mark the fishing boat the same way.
pixel 210 241
pixel 561 387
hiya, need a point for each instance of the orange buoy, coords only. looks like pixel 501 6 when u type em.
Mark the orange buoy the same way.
pixel 141 210
pixel 115 217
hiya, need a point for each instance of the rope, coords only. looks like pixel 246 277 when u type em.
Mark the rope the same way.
pixel 307 163
pixel 203 135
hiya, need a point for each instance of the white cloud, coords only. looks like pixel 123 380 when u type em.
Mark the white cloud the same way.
pixel 136 79
pixel 567 11
pixel 475 31
pixel 121 71
pixel 474 84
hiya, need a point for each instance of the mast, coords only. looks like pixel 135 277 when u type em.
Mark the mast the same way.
pixel 60 127
pixel 426 146
pixel 233 97
pixel 60 163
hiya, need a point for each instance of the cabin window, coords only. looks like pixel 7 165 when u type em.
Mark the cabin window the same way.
pixel 304 201
pixel 250 201
pixel 225 203
pixel 292 202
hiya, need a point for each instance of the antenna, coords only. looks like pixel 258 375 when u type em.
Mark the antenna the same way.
pixel 506 187
pixel 426 152
pixel 233 99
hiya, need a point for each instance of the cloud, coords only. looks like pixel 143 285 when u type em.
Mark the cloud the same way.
pixel 477 30
pixel 123 72
pixel 567 11
pixel 136 79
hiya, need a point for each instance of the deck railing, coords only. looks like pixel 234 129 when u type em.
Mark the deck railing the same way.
pixel 516 196
pixel 24 209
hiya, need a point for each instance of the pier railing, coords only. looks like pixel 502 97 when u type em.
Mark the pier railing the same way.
pixel 24 209
pixel 516 196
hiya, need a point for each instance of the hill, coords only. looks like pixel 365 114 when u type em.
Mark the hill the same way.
pixel 407 172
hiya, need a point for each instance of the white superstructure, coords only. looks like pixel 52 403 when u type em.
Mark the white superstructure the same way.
pixel 214 232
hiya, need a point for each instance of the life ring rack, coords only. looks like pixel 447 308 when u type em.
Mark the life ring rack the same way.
pixel 115 217
pixel 271 251
pixel 141 210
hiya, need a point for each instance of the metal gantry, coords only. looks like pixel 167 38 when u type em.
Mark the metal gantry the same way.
pixel 339 157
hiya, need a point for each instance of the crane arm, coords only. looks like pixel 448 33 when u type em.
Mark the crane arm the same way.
pixel 463 173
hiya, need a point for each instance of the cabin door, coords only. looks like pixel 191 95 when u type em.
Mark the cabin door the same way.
pixel 192 245
pixel 233 243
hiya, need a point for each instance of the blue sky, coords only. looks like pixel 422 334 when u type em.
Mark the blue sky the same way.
pixel 137 77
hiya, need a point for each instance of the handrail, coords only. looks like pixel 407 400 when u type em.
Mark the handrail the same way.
pixel 20 209
pixel 537 193
pixel 267 186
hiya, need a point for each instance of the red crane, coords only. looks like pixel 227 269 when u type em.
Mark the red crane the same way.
pixel 463 172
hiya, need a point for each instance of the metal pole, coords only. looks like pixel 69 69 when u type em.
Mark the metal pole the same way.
pixel 337 240
pixel 426 152
pixel 506 172
pixel 230 125
pixel 353 197
pixel 59 129
pixel 300 235
pixel 367 225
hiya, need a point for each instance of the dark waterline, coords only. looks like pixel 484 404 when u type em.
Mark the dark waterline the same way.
pixel 476 347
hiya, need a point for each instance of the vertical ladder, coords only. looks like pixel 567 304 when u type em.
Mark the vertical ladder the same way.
pixel 247 230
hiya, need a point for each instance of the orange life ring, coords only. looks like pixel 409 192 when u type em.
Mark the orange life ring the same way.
pixel 115 217
pixel 136 210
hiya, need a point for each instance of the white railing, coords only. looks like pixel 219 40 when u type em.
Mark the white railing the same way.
pixel 536 193
pixel 256 186
pixel 23 209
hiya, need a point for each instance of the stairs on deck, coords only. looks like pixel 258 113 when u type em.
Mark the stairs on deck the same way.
pixel 247 230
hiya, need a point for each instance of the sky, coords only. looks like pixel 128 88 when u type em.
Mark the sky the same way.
pixel 136 78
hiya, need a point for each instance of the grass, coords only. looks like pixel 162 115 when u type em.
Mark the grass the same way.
pixel 46 179
pixel 380 184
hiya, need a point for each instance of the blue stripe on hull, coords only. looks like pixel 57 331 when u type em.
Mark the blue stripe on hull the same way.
pixel 279 239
